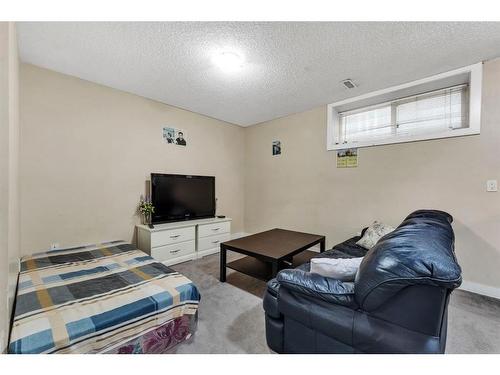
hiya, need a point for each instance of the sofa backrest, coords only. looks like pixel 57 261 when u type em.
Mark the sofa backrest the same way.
pixel 419 251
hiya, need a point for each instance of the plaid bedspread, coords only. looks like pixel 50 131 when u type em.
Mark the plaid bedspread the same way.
pixel 90 299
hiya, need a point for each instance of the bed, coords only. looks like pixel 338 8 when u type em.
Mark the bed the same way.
pixel 102 298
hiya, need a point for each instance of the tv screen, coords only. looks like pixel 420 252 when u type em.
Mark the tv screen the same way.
pixel 181 197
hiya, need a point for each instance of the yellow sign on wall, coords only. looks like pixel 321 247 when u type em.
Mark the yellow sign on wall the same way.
pixel 347 158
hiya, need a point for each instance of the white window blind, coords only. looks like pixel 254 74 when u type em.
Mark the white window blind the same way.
pixel 433 112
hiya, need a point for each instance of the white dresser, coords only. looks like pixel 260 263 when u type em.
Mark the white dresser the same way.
pixel 178 242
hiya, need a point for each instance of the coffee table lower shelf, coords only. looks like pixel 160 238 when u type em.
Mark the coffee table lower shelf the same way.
pixel 252 267
pixel 263 270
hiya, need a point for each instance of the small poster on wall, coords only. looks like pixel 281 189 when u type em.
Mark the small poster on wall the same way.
pixel 347 158
pixel 174 136
pixel 276 148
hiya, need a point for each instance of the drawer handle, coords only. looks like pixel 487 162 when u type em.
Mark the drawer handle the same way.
pixel 175 236
pixel 215 228
pixel 216 241
pixel 174 251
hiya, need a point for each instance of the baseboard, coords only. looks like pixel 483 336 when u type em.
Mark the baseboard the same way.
pixel 3 342
pixel 482 289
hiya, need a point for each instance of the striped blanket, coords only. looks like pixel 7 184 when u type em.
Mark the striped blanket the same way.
pixel 91 299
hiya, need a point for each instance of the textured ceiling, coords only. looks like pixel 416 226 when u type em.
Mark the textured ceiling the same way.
pixel 290 66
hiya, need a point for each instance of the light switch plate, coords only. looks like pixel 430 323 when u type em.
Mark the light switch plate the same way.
pixel 491 185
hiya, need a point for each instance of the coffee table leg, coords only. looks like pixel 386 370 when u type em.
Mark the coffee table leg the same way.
pixel 322 246
pixel 222 276
pixel 275 269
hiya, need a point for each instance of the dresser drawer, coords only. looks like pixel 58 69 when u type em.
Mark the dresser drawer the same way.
pixel 171 236
pixel 212 229
pixel 164 253
pixel 212 241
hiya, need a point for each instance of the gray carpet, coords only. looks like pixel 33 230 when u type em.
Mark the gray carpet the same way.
pixel 231 318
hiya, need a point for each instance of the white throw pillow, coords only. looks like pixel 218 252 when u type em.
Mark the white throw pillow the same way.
pixel 373 234
pixel 340 269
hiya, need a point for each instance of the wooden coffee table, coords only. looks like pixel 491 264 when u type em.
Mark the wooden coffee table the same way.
pixel 267 252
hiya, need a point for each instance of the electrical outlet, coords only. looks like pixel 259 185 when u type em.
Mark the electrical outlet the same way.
pixel 54 246
pixel 491 185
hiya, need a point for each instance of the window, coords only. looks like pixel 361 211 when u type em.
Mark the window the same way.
pixel 427 113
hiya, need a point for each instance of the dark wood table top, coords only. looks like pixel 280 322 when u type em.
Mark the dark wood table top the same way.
pixel 275 243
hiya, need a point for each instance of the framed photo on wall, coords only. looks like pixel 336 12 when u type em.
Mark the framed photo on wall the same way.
pixel 276 148
pixel 174 136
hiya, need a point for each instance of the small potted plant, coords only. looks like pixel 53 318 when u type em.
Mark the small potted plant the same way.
pixel 146 208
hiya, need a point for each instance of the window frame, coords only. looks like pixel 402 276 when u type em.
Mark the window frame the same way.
pixel 475 73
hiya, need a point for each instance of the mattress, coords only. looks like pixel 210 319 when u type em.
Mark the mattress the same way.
pixel 102 298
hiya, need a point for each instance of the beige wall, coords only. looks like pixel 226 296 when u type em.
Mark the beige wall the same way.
pixel 9 194
pixel 87 150
pixel 302 189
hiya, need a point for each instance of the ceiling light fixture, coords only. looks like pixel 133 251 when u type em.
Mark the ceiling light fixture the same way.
pixel 228 61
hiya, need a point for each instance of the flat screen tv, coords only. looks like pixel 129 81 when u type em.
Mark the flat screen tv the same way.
pixel 182 197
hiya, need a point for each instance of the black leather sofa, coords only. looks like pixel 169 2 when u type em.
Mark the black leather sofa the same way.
pixel 397 303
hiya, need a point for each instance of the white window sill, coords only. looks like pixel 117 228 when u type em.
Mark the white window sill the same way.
pixel 395 140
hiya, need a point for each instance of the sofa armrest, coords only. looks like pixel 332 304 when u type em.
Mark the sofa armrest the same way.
pixel 271 299
pixel 273 287
pixel 275 329
pixel 317 286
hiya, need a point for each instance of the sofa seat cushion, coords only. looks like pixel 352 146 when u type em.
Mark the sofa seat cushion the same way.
pixel 350 248
pixel 317 286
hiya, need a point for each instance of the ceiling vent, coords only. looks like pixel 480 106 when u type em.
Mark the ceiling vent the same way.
pixel 349 84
